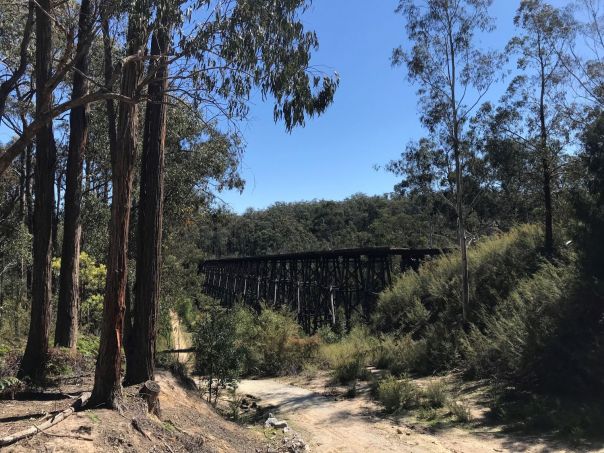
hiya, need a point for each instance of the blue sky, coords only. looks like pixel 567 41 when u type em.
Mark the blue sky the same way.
pixel 373 117
pixel 374 114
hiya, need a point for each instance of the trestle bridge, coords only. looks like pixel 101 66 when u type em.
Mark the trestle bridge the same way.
pixel 323 287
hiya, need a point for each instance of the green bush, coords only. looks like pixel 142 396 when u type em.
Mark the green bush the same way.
pixel 427 303
pixel 272 342
pixel 397 395
pixel 435 394
pixel 88 345
pixel 350 369
pixel 460 411
pixel 509 344
pixel 400 356
pixel 496 264
pixel 540 336
pixel 349 358
pixel 218 354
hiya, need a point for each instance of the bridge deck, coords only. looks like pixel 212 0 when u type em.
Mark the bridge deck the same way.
pixel 321 287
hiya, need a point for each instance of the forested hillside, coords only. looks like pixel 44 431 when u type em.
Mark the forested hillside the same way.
pixel 358 221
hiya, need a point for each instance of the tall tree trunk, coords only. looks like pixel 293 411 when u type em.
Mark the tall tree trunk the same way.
pixel 546 168
pixel 34 358
pixel 107 386
pixel 57 212
pixel 140 354
pixel 108 71
pixel 461 227
pixel 67 309
pixel 29 199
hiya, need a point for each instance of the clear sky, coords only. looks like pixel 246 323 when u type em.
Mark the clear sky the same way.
pixel 372 118
pixel 374 114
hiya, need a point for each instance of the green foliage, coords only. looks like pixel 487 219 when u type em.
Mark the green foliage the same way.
pixel 460 411
pixel 397 395
pixel 88 345
pixel 400 356
pixel 8 383
pixel 273 342
pixel 92 287
pixel 541 336
pixel 357 221
pixel 427 303
pixel 349 357
pixel 569 418
pixel 435 394
pixel 218 355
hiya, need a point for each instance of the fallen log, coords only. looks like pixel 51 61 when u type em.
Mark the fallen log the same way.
pixel 78 404
pixel 176 351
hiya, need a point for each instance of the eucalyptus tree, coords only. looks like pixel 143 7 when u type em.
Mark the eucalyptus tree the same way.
pixel 67 307
pixel 140 348
pixel 535 112
pixel 583 57
pixel 225 50
pixel 107 386
pixel 16 62
pixel 453 75
pixel 34 358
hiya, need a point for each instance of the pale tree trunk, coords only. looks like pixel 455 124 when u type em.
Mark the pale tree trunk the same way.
pixel 34 358
pixel 69 294
pixel 546 169
pixel 140 353
pixel 107 385
pixel 461 227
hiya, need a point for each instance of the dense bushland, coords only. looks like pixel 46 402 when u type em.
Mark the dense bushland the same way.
pixel 532 323
pixel 242 341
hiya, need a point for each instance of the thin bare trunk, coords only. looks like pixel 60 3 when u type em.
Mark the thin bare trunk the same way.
pixel 461 228
pixel 546 169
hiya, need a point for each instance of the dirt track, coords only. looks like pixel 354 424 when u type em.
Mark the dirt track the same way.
pixel 353 425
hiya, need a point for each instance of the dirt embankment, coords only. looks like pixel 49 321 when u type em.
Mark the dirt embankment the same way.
pixel 187 423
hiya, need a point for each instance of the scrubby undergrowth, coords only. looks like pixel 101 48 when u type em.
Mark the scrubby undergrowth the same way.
pixel 535 329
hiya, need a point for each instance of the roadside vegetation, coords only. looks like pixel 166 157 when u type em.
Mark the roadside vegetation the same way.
pixel 527 338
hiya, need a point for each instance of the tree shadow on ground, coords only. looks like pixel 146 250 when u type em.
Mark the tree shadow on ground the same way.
pixel 559 422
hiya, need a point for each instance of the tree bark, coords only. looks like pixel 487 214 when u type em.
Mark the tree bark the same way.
pixel 107 386
pixel 140 355
pixel 546 168
pixel 34 358
pixel 68 304
pixel 461 227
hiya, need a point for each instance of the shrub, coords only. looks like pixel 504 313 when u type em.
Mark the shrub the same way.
pixel 495 265
pixel 348 358
pixel 285 348
pixel 427 303
pixel 218 355
pixel 272 342
pixel 350 369
pixel 460 411
pixel 88 345
pixel 435 394
pixel 513 344
pixel 400 356
pixel 397 395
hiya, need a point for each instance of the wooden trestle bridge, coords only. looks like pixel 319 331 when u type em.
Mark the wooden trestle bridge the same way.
pixel 324 287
